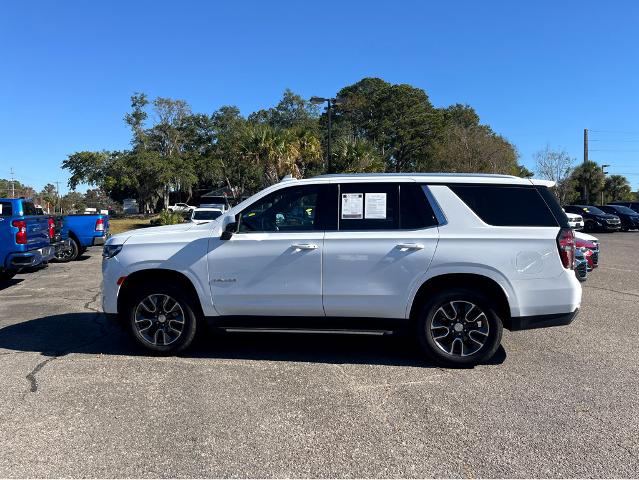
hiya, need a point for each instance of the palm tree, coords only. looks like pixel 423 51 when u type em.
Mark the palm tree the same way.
pixel 617 187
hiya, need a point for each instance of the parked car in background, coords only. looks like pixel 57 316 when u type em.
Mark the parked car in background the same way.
pixel 586 236
pixel 629 218
pixel 453 257
pixel 24 237
pixel 215 201
pixel 581 265
pixel 575 221
pixel 595 219
pixel 631 205
pixel 593 259
pixel 205 214
pixel 180 208
pixel 84 231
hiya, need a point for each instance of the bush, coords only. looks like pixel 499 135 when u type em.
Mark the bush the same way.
pixel 167 218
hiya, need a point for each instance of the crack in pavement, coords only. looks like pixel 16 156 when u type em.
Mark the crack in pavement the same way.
pixel 612 290
pixel 32 376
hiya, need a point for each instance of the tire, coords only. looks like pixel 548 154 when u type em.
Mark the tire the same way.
pixel 589 226
pixel 451 342
pixel 64 256
pixel 74 250
pixel 161 318
pixel 7 275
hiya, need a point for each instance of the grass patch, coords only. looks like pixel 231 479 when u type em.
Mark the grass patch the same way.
pixel 119 225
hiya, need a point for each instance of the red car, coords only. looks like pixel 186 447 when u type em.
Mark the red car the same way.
pixel 591 252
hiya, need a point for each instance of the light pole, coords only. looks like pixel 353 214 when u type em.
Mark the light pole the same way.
pixel 330 103
pixel 605 173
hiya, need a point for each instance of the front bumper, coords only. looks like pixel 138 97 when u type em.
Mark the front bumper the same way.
pixel 540 321
pixel 32 258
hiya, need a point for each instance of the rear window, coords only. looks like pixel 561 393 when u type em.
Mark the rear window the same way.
pixel 206 215
pixel 29 208
pixel 510 206
pixel 6 209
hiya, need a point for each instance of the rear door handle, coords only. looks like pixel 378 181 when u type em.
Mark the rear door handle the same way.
pixel 304 246
pixel 410 246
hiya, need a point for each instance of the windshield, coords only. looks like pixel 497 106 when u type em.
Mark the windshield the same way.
pixel 593 210
pixel 206 215
pixel 622 209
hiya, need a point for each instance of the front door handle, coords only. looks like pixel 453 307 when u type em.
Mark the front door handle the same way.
pixel 304 246
pixel 410 246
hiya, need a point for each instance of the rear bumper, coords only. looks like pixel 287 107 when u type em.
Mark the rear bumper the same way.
pixel 99 240
pixel 540 321
pixel 32 258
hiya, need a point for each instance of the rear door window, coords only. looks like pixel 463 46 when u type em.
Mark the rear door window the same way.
pixel 509 206
pixel 384 206
pixel 368 206
pixel 6 209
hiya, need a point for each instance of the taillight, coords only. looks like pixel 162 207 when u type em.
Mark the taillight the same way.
pixel 21 234
pixel 566 246
pixel 51 227
pixel 99 225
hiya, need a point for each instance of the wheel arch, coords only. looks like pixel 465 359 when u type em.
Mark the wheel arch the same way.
pixel 473 281
pixel 158 275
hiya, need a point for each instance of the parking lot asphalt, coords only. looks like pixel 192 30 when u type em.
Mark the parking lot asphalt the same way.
pixel 78 399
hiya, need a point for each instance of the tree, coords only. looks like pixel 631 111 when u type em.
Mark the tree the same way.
pixel 556 165
pixel 72 202
pixel 49 195
pixel 398 120
pixel 292 111
pixel 8 188
pixel 590 175
pixel 378 126
pixel 352 155
pixel 617 187
pixel 474 149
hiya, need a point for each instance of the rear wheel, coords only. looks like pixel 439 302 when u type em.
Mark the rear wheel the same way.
pixel 162 318
pixel 67 253
pixel 459 328
pixel 72 252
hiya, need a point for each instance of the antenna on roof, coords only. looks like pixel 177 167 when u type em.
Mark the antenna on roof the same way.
pixel 287 178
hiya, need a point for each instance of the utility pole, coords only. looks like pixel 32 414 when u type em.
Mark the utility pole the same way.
pixel 13 186
pixel 585 161
pixel 57 194
pixel 605 173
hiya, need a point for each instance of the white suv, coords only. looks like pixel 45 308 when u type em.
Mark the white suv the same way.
pixel 452 257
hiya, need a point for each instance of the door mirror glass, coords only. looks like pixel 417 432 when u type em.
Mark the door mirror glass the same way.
pixel 229 230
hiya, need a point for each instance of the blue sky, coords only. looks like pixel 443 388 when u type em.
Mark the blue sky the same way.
pixel 537 72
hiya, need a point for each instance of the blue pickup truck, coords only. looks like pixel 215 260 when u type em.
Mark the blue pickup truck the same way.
pixel 24 237
pixel 83 231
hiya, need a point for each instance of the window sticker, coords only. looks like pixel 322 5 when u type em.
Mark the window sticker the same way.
pixel 375 206
pixel 352 206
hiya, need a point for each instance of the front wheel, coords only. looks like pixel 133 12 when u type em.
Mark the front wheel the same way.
pixel 459 328
pixel 162 318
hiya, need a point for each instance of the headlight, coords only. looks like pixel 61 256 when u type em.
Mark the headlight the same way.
pixel 109 251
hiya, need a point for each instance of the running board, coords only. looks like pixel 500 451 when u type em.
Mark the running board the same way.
pixel 337 331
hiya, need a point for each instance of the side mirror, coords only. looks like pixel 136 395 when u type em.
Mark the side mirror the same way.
pixel 228 232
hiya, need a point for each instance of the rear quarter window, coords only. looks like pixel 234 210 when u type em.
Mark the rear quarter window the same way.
pixel 6 209
pixel 511 206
